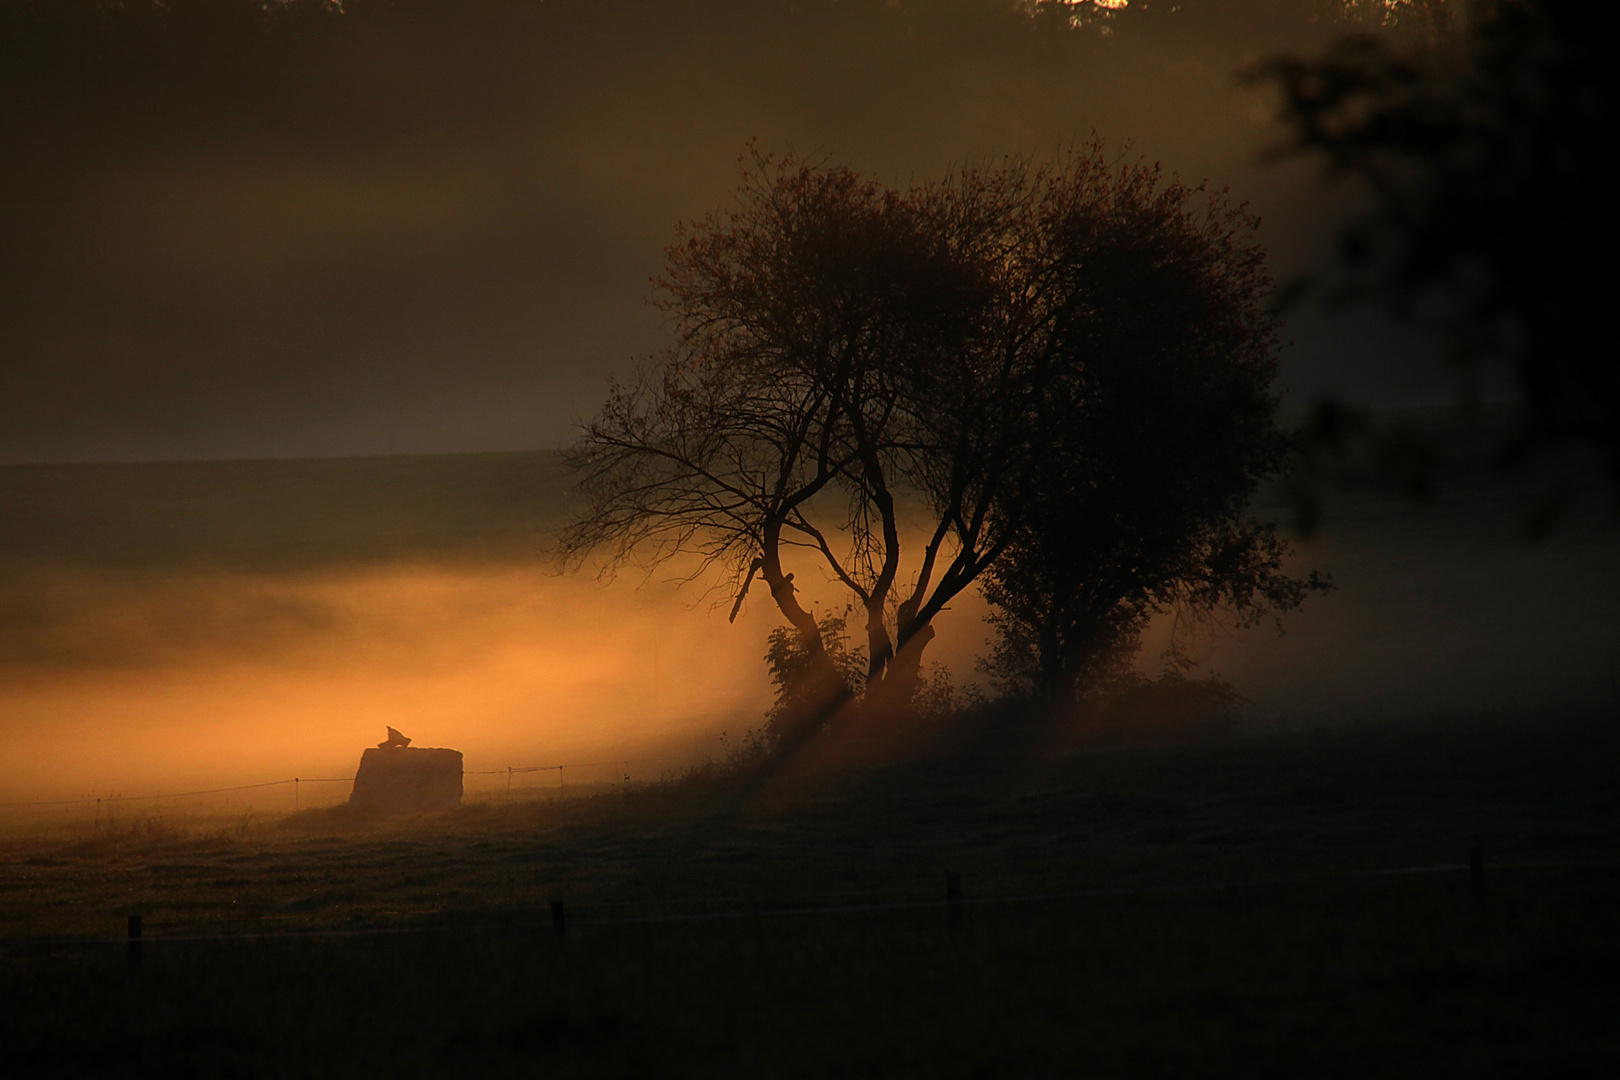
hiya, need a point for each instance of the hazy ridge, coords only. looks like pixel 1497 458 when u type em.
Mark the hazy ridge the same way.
pixel 281 514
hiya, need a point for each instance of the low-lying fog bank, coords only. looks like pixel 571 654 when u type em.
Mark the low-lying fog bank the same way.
pixel 175 627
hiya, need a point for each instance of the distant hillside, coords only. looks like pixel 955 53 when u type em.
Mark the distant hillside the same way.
pixel 274 515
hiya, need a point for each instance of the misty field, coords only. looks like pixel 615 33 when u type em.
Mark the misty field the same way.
pixel 1282 904
pixel 1294 900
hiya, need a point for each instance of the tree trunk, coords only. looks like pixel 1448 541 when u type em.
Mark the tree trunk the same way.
pixel 879 649
pixel 892 693
pixel 820 690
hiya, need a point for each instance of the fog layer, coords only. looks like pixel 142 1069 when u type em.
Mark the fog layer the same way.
pixel 179 626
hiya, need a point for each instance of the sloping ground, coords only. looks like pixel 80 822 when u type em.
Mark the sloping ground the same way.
pixel 1279 905
pixel 1532 788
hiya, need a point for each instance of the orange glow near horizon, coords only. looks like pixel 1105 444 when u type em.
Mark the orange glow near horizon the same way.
pixel 182 682
pixel 511 666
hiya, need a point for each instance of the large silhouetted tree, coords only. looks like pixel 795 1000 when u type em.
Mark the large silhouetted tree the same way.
pixel 1159 426
pixel 787 419
pixel 858 369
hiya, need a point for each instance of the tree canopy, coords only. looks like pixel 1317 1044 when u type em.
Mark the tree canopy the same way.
pixel 902 386
pixel 1159 426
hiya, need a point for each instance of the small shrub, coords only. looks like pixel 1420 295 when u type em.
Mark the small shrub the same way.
pixel 799 694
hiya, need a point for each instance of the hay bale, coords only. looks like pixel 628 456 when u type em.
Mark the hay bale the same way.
pixel 407 779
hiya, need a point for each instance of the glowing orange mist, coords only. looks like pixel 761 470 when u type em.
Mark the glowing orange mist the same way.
pixel 509 665
pixel 175 680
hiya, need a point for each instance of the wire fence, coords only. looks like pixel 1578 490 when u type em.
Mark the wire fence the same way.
pixel 952 902
pixel 509 772
pixel 512 771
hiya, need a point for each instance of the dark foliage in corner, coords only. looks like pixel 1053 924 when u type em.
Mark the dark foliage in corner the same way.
pixel 1483 148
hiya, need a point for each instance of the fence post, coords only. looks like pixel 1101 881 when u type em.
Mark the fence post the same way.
pixel 509 783
pixel 134 940
pixel 953 897
pixel 1614 689
pixel 295 794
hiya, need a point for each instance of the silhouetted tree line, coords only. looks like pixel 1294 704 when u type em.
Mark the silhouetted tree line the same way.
pixel 1053 380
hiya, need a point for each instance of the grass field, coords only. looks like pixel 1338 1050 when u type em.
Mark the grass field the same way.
pixel 1285 904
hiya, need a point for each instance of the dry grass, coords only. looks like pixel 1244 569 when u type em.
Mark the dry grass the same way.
pixel 1210 908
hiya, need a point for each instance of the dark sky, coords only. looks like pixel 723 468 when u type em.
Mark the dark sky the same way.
pixel 429 225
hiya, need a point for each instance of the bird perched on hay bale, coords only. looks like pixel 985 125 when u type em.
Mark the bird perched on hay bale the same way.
pixel 394 739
